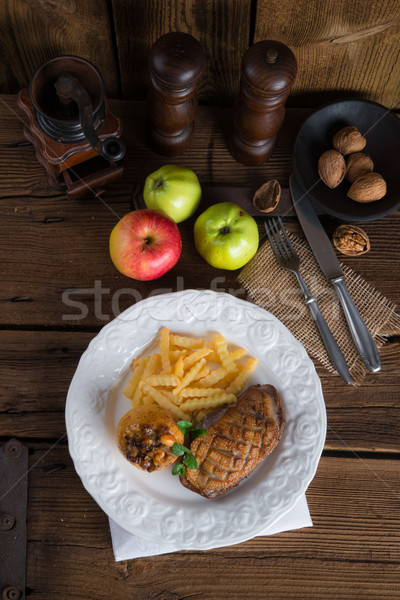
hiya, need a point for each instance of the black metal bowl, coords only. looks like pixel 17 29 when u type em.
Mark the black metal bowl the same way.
pixel 381 129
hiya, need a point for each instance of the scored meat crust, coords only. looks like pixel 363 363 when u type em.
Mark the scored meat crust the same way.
pixel 236 443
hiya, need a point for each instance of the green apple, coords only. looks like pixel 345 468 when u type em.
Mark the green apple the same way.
pixel 173 190
pixel 226 236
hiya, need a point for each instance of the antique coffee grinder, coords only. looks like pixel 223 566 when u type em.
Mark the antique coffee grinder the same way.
pixel 268 72
pixel 70 124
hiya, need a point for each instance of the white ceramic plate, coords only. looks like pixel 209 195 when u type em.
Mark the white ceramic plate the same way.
pixel 156 506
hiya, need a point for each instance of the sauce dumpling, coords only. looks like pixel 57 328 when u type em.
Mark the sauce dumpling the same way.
pixel 145 437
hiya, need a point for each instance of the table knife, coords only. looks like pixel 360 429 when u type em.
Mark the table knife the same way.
pixel 326 257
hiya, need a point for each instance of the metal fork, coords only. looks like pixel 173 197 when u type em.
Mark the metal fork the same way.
pixel 289 260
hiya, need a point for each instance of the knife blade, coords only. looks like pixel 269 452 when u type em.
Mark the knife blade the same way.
pixel 327 260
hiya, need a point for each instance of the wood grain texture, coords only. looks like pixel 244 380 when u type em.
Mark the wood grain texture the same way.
pixel 50 246
pixel 222 28
pixel 33 32
pixel 52 223
pixel 36 368
pixel 342 48
pixel 59 232
pixel 352 551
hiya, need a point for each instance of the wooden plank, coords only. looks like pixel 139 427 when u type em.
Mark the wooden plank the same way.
pixel 208 153
pixel 222 28
pixel 343 48
pixel 36 368
pixel 68 240
pixel 33 32
pixel 69 262
pixel 49 220
pixel 353 550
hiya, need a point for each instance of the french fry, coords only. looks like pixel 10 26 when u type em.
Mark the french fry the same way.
pixel 146 400
pixel 213 377
pixel 175 354
pixel 164 348
pixel 149 366
pixel 211 402
pixel 190 375
pixel 229 377
pixel 163 401
pixel 137 398
pixel 202 373
pixel 237 354
pixel 190 360
pixel 168 379
pixel 175 399
pixel 243 376
pixel 186 342
pixel 222 350
pixel 179 378
pixel 178 368
pixel 130 389
pixel 134 378
pixel 200 392
pixel 214 357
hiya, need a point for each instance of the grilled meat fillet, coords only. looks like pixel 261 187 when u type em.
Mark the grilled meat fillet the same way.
pixel 236 443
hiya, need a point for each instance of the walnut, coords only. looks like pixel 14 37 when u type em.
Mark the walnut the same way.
pixel 267 196
pixel 331 168
pixel 349 140
pixel 351 240
pixel 358 164
pixel 368 188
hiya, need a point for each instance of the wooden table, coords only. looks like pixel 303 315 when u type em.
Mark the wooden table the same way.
pixel 51 244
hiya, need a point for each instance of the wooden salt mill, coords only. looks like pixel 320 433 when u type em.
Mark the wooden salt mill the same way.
pixel 268 72
pixel 176 65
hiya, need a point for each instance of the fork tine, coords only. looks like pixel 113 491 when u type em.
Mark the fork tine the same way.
pixel 289 243
pixel 278 238
pixel 285 254
pixel 272 238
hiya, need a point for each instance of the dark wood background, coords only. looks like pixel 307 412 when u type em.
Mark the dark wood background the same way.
pixel 50 245
pixel 344 47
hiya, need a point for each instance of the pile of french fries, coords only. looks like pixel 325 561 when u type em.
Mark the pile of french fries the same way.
pixel 189 376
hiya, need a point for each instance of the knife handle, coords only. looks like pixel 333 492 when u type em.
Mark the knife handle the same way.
pixel 330 343
pixel 361 336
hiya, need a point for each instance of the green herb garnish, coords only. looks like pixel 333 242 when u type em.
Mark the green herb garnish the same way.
pixel 179 469
pixel 197 432
pixel 185 426
pixel 179 449
pixel 188 459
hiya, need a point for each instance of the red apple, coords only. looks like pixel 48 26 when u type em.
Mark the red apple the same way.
pixel 145 244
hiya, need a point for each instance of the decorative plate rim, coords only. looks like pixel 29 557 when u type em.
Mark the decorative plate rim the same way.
pixel 233 518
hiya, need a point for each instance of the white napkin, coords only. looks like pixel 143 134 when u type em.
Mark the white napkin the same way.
pixel 127 545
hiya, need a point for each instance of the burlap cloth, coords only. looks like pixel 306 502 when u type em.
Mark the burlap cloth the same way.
pixel 278 291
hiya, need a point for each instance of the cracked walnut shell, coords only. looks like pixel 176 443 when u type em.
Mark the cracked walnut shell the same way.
pixel 351 240
pixel 267 197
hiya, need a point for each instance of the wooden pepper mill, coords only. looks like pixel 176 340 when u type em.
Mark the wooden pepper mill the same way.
pixel 176 65
pixel 268 72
